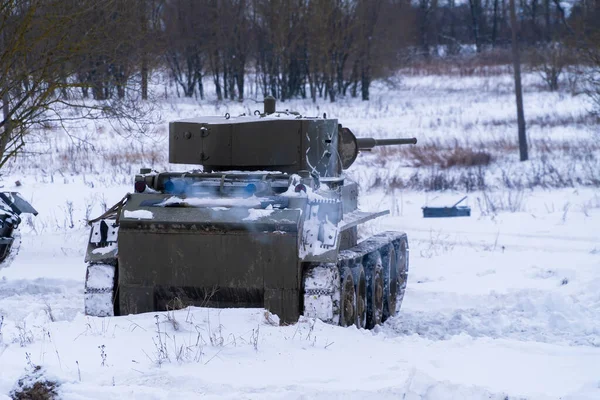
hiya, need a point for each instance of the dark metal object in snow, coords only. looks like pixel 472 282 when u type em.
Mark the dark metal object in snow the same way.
pixel 12 205
pixel 444 212
pixel 270 221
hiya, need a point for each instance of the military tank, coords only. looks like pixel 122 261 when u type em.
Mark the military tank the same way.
pixel 269 221
pixel 12 205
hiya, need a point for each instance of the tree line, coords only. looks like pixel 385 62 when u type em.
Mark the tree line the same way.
pixel 71 59
pixel 95 57
pixel 332 48
pixel 293 48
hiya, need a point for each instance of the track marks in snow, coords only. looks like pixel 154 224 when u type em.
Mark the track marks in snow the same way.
pixel 411 384
pixel 420 387
pixel 539 284
pixel 24 299
pixel 36 287
pixel 522 315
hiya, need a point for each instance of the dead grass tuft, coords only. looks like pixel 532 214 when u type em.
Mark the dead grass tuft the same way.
pixel 486 64
pixel 451 165
pixel 146 157
pixel 451 154
pixel 438 154
pixel 548 121
pixel 34 386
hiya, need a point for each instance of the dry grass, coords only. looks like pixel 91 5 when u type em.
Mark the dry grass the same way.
pixel 486 64
pixel 436 154
pixel 34 386
pixel 548 121
pixel 445 165
pixel 147 157
pixel 453 153
pixel 76 159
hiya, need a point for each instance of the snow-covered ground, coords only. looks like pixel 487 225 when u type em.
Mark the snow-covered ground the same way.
pixel 505 303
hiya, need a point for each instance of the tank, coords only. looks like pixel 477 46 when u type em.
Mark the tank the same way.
pixel 267 220
pixel 12 206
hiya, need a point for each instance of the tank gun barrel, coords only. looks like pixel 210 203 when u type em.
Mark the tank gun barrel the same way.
pixel 369 143
pixel 349 145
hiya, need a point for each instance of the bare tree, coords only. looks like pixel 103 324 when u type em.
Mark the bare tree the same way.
pixel 477 23
pixel 583 28
pixel 367 15
pixel 183 35
pixel 45 45
pixel 426 20
pixel 549 61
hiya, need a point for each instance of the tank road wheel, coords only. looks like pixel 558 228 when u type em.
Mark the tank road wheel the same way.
pixel 402 266
pixel 347 298
pixel 375 289
pixel 100 293
pixel 391 274
pixel 360 285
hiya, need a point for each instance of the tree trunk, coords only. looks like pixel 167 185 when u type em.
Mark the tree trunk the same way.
pixel 217 82
pixel 548 29
pixel 144 68
pixel 7 132
pixel 518 90
pixel 240 83
pixel 475 6
pixel 495 23
pixel 200 84
pixel 330 89
pixel 144 78
pixel 225 80
pixel 311 86
pixel 424 26
pixel 365 81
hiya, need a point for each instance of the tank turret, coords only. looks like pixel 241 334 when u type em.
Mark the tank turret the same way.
pixel 270 220
pixel 270 141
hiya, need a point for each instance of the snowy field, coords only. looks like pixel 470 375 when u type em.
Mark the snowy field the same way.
pixel 502 304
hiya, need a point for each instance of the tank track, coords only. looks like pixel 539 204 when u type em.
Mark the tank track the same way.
pixel 364 288
pixel 100 295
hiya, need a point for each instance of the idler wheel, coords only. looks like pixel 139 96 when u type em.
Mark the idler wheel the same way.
pixel 347 298
pixel 360 285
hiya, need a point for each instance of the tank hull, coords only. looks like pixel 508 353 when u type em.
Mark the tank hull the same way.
pixel 178 268
pixel 207 256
